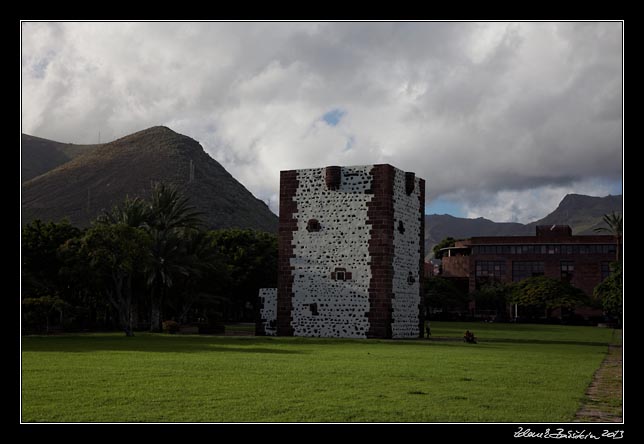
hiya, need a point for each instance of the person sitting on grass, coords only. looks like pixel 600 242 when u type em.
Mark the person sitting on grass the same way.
pixel 469 337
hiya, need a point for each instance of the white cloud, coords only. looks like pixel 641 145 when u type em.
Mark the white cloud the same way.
pixel 527 206
pixel 487 112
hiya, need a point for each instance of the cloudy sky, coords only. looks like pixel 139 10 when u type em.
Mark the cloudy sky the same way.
pixel 501 119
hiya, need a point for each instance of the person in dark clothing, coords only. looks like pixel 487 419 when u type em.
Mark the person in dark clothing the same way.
pixel 469 337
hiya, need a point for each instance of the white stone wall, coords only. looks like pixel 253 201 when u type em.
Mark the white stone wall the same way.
pixel 406 259
pixel 343 241
pixel 268 312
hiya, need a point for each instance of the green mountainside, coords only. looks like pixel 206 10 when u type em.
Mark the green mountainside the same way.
pixel 96 177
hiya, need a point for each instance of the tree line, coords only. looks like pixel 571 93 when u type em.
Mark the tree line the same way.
pixel 142 263
pixel 536 296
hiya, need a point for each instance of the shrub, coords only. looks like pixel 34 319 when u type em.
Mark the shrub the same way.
pixel 170 327
pixel 609 292
pixel 37 312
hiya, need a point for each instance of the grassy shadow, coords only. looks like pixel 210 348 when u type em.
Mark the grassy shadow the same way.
pixel 151 343
pixel 162 343
pixel 520 341
pixel 542 342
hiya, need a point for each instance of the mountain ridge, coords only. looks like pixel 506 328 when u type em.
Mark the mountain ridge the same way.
pixel 40 155
pixel 583 213
pixel 102 176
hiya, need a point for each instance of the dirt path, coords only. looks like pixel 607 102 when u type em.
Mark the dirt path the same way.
pixel 604 395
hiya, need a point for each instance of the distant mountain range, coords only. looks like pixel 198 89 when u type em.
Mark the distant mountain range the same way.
pixel 79 181
pixel 582 213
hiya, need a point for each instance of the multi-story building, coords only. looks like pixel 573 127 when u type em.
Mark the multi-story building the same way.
pixel 350 254
pixel 554 251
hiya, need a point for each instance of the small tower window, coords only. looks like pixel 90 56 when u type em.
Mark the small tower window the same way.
pixel 410 279
pixel 401 227
pixel 313 225
pixel 314 309
pixel 341 274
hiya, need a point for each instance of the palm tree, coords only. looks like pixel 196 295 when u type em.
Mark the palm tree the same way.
pixel 170 210
pixel 168 262
pixel 614 226
pixel 132 212
pixel 171 220
pixel 201 258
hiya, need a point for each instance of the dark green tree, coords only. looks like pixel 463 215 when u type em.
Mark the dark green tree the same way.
pixel 546 293
pixel 445 243
pixel 171 220
pixel 40 261
pixel 609 292
pixel 131 212
pixel 251 260
pixel 441 293
pixel 493 295
pixel 613 226
pixel 170 210
pixel 37 312
pixel 168 261
pixel 136 213
pixel 209 278
pixel 114 254
pixel 85 293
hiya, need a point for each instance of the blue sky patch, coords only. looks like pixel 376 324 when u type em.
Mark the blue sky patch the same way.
pixel 445 206
pixel 333 117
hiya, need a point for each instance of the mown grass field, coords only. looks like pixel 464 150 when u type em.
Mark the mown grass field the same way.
pixel 516 373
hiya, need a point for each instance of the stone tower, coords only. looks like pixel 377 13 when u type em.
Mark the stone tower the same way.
pixel 351 252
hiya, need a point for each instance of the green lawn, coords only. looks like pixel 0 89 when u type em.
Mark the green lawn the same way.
pixel 516 373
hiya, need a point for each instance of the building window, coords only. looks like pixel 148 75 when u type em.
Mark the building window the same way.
pixel 314 309
pixel 341 274
pixel 526 269
pixel 494 269
pixel 410 278
pixel 605 270
pixel 488 271
pixel 313 225
pixel 567 270
pixel 554 249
